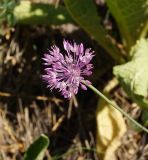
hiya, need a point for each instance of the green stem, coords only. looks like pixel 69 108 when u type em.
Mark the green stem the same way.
pixel 116 107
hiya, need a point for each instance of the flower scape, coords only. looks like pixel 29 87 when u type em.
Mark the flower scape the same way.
pixel 66 72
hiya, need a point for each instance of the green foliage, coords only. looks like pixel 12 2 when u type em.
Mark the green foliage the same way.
pixel 133 75
pixel 30 13
pixel 6 11
pixel 40 13
pixel 85 14
pixel 145 118
pixel 37 149
pixel 131 17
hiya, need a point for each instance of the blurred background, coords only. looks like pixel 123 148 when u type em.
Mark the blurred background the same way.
pixel 28 108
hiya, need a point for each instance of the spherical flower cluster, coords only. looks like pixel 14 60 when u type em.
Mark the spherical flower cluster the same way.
pixel 66 72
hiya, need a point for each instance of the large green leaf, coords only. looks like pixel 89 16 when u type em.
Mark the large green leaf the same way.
pixel 37 149
pixel 134 74
pixel 85 14
pixel 131 17
pixel 30 13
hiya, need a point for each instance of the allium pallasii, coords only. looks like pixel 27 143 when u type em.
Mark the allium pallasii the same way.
pixel 66 72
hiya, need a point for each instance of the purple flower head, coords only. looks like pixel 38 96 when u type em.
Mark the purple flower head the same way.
pixel 66 72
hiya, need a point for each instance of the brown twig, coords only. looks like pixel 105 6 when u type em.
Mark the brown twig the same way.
pixel 40 98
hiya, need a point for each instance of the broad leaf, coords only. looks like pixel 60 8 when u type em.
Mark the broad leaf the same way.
pixel 110 129
pixel 85 14
pixel 131 17
pixel 37 149
pixel 30 13
pixel 134 74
